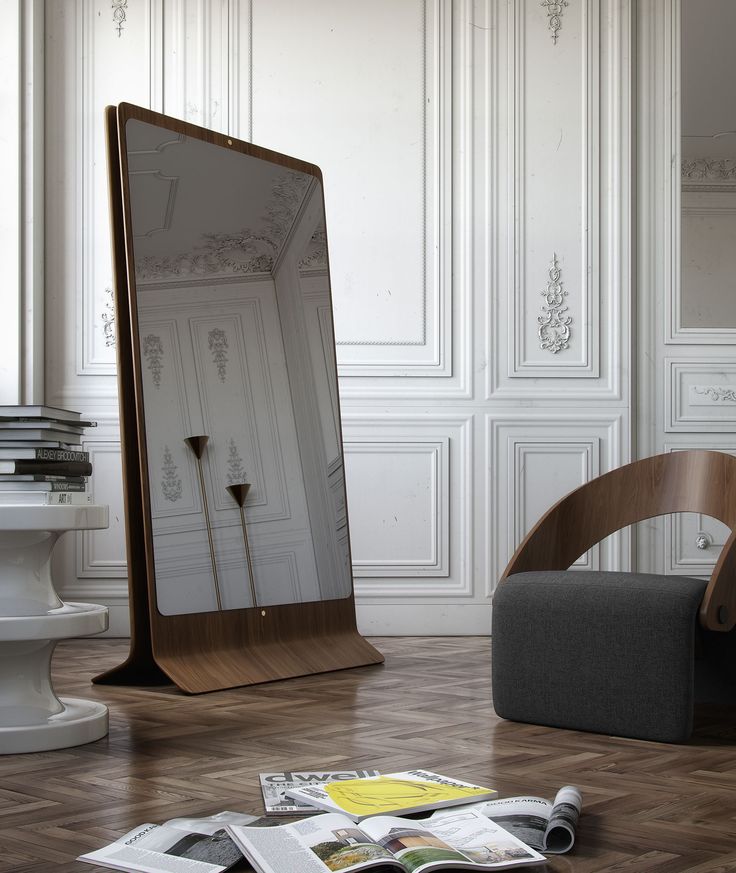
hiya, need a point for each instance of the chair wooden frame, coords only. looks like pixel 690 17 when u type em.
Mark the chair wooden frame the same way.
pixel 687 481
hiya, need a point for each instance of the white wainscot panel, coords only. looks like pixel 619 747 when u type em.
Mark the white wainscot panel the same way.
pixel 195 69
pixel 700 307
pixel 701 395
pixel 101 553
pixel 408 488
pixel 554 132
pixel 401 517
pixel 532 463
pixel 111 38
pixel 387 164
pixel 556 326
pixel 693 541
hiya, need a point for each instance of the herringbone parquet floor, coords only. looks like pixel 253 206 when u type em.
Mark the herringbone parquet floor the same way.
pixel 648 807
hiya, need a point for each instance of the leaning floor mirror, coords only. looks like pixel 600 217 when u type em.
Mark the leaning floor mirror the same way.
pixel 237 528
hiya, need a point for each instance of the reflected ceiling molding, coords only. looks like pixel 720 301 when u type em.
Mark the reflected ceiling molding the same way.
pixel 243 252
pixel 315 255
pixel 554 9
pixel 168 195
pixel 179 139
pixel 708 174
pixel 288 195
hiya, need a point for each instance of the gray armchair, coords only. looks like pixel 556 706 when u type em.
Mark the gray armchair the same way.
pixel 614 652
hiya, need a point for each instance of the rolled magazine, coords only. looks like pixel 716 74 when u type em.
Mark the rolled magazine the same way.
pixel 546 825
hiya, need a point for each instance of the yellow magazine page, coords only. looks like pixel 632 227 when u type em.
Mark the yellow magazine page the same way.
pixel 399 791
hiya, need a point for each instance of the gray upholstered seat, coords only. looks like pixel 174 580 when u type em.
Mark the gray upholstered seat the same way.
pixel 606 652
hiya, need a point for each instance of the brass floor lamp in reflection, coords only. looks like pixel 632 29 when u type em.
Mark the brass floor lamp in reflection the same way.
pixel 197 445
pixel 239 493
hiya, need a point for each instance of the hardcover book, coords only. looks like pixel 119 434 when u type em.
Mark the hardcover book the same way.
pixel 45 498
pixel 18 425
pixel 31 433
pixel 34 412
pixel 58 485
pixel 46 468
pixel 22 452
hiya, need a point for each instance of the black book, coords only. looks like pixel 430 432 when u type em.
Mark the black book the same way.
pixel 46 468
pixel 60 485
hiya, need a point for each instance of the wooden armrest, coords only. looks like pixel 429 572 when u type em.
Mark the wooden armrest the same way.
pixel 693 481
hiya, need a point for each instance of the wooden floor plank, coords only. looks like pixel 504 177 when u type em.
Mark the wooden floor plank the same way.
pixel 648 807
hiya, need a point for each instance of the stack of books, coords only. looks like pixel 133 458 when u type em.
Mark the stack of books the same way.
pixel 41 461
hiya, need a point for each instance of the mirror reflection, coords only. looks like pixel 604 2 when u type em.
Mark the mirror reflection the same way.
pixel 237 362
pixel 708 197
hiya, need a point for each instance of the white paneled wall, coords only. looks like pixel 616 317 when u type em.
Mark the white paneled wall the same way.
pixel 477 170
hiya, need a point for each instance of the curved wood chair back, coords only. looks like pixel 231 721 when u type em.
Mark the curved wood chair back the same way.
pixel 689 481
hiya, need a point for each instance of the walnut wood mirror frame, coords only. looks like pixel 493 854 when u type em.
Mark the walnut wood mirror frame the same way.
pixel 200 651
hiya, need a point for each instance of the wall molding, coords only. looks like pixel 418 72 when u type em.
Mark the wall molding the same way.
pixel 518 370
pixel 598 439
pixel 522 360
pixel 89 565
pixel 436 562
pixel 430 349
pixel 682 556
pixel 449 439
pixel 700 395
pixel 668 116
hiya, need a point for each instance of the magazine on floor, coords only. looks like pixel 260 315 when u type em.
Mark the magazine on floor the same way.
pixel 547 825
pixel 275 785
pixel 182 845
pixel 463 839
pixel 394 793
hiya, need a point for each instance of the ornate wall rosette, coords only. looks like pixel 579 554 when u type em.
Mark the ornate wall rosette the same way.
pixel 554 9
pixel 119 14
pixel 217 341
pixel 554 325
pixel 235 471
pixel 153 352
pixel 170 481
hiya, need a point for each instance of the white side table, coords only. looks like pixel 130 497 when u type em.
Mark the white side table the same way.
pixel 32 620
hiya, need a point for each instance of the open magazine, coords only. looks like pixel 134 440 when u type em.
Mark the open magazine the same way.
pixel 547 825
pixel 462 839
pixel 275 785
pixel 182 845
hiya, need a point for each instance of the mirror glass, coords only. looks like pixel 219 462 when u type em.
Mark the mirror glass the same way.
pixel 708 197
pixel 239 384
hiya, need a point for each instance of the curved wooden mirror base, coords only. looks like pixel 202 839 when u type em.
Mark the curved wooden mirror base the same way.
pixel 222 647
